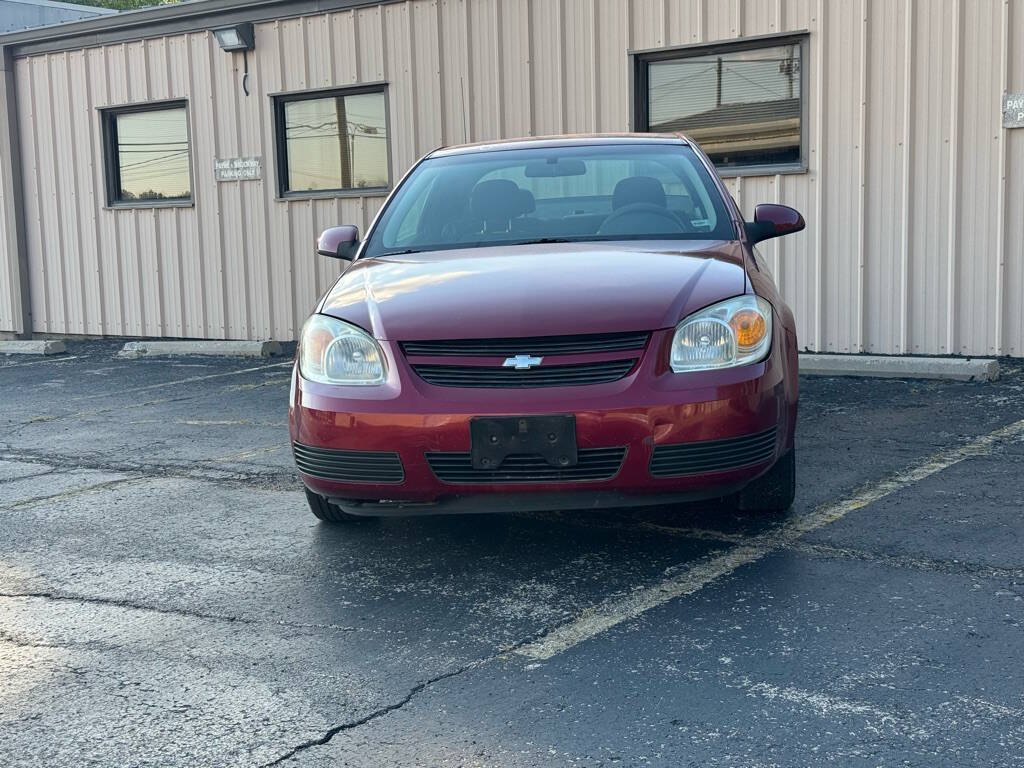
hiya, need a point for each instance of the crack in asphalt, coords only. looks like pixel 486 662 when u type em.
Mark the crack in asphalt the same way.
pixel 72 492
pixel 118 603
pixel 185 612
pixel 272 479
pixel 88 645
pixel 913 562
pixel 415 691
pixel 51 471
pixel 375 714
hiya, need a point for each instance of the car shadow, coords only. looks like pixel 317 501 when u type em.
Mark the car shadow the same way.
pixel 517 571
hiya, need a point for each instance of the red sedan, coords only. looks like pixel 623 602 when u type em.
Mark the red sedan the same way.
pixel 558 323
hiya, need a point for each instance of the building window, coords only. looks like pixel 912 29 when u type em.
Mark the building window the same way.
pixel 331 142
pixel 147 155
pixel 743 103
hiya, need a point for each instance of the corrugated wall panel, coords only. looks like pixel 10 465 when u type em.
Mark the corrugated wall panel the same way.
pixel 65 236
pixel 10 279
pixel 202 109
pixel 548 19
pixel 581 89
pixel 980 175
pixel 86 172
pixel 514 68
pixel 1010 246
pixel 912 194
pixel 841 178
pixel 932 116
pixel 613 72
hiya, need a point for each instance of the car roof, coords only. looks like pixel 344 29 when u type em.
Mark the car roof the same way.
pixel 571 140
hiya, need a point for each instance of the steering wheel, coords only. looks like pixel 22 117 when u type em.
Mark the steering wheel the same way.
pixel 636 218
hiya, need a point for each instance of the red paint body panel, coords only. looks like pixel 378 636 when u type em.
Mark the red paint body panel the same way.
pixel 541 290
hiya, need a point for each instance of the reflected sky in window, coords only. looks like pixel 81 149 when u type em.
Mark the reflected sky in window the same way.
pixel 152 150
pixel 321 157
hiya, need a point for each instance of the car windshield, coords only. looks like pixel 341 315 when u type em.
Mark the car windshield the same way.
pixel 641 191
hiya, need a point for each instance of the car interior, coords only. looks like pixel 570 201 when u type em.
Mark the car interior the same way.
pixel 638 203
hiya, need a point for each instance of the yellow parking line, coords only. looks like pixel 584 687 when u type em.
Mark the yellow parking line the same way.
pixel 614 611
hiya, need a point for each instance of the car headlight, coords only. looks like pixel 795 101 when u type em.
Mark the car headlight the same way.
pixel 334 352
pixel 734 332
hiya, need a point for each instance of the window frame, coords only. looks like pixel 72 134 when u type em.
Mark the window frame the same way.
pixel 112 162
pixel 640 116
pixel 278 102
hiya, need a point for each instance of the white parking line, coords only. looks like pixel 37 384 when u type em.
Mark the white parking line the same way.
pixel 189 380
pixel 62 359
pixel 612 612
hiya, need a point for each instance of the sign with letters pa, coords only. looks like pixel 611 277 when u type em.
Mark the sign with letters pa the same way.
pixel 1013 110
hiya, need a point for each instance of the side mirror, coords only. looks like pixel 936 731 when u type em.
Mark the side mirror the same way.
pixel 339 242
pixel 771 220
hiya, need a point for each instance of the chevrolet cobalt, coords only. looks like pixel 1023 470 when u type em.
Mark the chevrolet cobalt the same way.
pixel 558 323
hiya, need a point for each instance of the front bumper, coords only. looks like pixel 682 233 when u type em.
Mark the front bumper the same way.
pixel 650 409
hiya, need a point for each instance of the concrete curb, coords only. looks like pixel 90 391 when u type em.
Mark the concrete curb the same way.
pixel 944 368
pixel 135 349
pixel 33 347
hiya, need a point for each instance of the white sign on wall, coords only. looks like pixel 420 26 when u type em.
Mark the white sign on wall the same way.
pixel 238 169
pixel 1013 110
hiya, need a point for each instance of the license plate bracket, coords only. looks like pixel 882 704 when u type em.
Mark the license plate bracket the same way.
pixel 493 439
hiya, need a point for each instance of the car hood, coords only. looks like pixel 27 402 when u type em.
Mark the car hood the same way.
pixel 535 290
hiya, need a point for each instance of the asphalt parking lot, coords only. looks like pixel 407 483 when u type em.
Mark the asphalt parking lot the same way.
pixel 166 598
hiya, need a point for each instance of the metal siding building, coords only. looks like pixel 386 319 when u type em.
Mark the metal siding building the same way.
pixel 913 191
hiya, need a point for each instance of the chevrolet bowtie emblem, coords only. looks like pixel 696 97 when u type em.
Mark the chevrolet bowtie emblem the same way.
pixel 522 362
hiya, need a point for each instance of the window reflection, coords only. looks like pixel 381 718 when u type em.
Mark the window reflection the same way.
pixel 742 107
pixel 320 156
pixel 152 155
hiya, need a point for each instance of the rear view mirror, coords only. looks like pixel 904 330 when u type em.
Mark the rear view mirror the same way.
pixel 553 167
pixel 339 242
pixel 771 220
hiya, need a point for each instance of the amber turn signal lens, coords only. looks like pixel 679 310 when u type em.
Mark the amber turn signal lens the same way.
pixel 750 328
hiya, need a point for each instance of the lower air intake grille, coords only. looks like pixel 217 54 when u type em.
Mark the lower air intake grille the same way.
pixel 593 464
pixel 542 376
pixel 712 455
pixel 349 466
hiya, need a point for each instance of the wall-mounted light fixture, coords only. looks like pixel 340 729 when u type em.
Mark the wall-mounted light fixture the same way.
pixel 238 38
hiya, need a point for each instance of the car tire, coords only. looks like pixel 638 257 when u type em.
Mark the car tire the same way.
pixel 774 491
pixel 330 513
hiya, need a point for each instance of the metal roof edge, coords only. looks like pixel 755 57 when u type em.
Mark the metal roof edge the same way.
pixel 163 20
pixel 94 9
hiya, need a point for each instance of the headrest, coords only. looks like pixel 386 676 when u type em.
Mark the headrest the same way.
pixel 497 200
pixel 528 202
pixel 638 189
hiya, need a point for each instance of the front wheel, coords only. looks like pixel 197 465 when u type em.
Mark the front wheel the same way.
pixel 773 491
pixel 330 513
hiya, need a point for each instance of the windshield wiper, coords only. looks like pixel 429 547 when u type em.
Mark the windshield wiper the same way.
pixel 540 241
